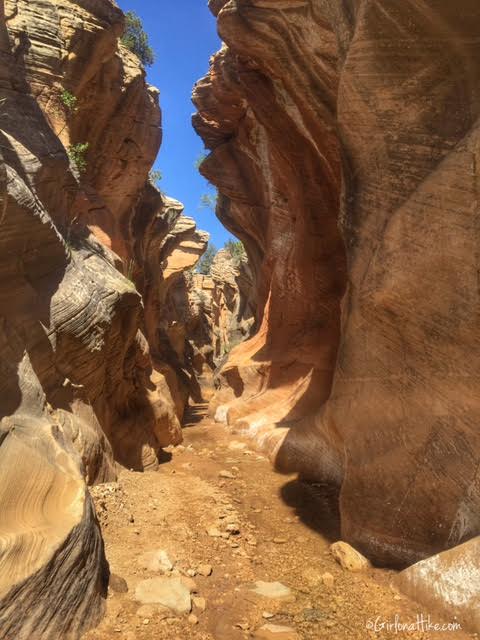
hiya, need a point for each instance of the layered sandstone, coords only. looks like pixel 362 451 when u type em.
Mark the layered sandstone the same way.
pixel 222 307
pixel 343 140
pixel 85 381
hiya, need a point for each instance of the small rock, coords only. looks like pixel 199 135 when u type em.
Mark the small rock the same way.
pixel 233 528
pixel 146 621
pixel 199 603
pixel 226 474
pixel 189 583
pixel 274 590
pixel 169 592
pixel 312 576
pixel 235 446
pixel 267 615
pixel 156 560
pixel 280 540
pixel 117 584
pixel 213 532
pixel 328 580
pixel 205 570
pixel 276 632
pixel 192 619
pixel 348 557
pixel 244 626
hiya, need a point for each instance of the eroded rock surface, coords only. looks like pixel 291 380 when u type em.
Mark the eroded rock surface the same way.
pixel 448 582
pixel 83 380
pixel 222 310
pixel 344 140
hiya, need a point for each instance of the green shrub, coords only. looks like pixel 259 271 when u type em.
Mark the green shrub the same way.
pixel 206 261
pixel 209 201
pixel 155 177
pixel 236 249
pixel 130 270
pixel 199 160
pixel 68 100
pixel 135 39
pixel 76 153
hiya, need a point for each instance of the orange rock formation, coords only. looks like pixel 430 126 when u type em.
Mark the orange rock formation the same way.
pixel 343 140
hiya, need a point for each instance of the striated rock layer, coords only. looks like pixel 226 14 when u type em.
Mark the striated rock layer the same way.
pixel 85 379
pixel 344 146
pixel 222 309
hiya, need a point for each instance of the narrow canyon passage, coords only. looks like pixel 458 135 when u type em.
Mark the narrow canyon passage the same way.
pixel 217 506
pixel 309 306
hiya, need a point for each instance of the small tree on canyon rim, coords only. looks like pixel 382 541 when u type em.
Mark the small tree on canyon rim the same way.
pixel 135 39
pixel 209 201
pixel 206 261
pixel 236 249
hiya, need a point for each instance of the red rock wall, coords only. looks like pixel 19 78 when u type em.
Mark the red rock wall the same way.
pixel 280 195
pixel 360 117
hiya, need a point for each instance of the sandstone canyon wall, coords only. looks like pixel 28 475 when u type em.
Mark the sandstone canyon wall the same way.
pixel 224 307
pixel 344 144
pixel 86 379
pixel 207 315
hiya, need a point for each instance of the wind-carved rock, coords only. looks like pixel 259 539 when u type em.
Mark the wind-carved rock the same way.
pixel 222 310
pixel 278 172
pixel 363 372
pixel 81 386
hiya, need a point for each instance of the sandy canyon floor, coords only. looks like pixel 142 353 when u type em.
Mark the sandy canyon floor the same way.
pixel 216 505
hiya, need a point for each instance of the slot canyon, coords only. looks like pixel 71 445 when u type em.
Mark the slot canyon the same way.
pixel 275 440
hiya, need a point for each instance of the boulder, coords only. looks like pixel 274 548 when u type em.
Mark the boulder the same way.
pixel 348 557
pixel 273 590
pixel 171 593
pixel 448 583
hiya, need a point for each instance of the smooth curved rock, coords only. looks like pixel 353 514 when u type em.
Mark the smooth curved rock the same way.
pixel 80 386
pixel 361 117
pixel 448 583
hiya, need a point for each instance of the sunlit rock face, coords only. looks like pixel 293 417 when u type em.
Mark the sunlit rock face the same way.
pixel 343 140
pixel 280 196
pixel 221 311
pixel 83 380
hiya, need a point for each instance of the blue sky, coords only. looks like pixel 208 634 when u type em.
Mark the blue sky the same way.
pixel 183 35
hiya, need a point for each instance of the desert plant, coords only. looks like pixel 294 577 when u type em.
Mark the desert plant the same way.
pixel 237 251
pixel 208 201
pixel 76 153
pixel 155 177
pixel 130 270
pixel 135 39
pixel 206 261
pixel 199 160
pixel 69 101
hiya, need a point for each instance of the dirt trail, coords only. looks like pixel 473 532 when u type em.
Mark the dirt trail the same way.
pixel 279 540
